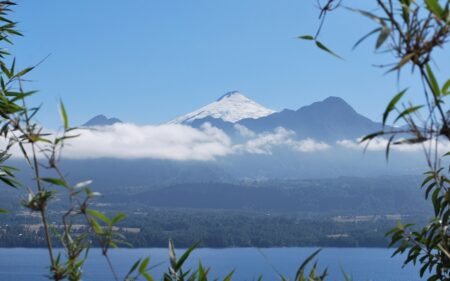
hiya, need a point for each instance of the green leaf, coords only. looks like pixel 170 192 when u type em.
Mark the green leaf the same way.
pixel 147 276
pixel 5 70
pixel 97 228
pixel 23 72
pixel 411 140
pixel 366 36
pixel 434 7
pixel 2 211
pixel 392 104
pixel 229 276
pixel 436 203
pixel 185 255
pixel 301 269
pixel 144 264
pixel 369 15
pixel 64 115
pixel 405 59
pixel 306 37
pixel 119 217
pixel 408 111
pixel 326 49
pixel 384 34
pixel 388 147
pixel 9 181
pixel 133 268
pixel 432 79
pixel 445 89
pixel 55 181
pixel 99 215
pixel 371 136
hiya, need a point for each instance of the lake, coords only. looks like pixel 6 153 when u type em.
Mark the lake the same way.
pixel 364 264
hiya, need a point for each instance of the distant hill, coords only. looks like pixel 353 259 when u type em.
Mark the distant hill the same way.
pixel 329 120
pixel 101 120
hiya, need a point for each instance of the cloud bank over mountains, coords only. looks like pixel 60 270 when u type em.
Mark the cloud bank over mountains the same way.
pixel 233 125
pixel 179 142
pixel 207 143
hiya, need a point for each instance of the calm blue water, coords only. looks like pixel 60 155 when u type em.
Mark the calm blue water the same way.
pixel 362 263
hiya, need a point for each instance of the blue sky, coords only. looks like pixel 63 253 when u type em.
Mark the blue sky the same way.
pixel 149 61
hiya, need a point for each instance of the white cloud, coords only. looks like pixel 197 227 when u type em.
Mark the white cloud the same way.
pixel 172 141
pixel 265 142
pixel 244 131
pixel 309 145
pixel 175 142
pixel 380 144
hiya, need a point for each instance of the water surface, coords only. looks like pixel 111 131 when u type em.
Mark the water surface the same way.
pixel 19 264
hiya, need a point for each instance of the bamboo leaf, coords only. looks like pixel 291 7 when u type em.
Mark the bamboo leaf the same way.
pixel 64 115
pixel 99 215
pixel 392 104
pixel 55 181
pixel 301 269
pixel 384 34
pixel 434 7
pixel 408 111
pixel 433 82
pixel 306 37
pixel 366 36
pixel 144 264
pixel 326 49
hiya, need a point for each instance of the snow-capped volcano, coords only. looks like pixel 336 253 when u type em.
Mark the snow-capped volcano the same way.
pixel 231 107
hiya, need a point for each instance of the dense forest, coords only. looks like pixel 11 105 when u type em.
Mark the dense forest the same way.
pixel 213 228
pixel 328 212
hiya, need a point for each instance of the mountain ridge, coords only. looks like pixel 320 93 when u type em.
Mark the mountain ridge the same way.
pixel 101 120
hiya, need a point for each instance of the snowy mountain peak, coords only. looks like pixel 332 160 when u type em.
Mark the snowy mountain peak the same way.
pixel 231 107
pixel 232 94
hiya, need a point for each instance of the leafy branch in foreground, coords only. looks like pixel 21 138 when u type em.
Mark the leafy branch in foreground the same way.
pixel 411 31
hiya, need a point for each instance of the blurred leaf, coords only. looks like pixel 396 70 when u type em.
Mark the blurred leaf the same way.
pixel 306 37
pixel 172 254
pixel 392 104
pixel 185 255
pixel 445 89
pixel 97 228
pixel 98 215
pixel 23 72
pixel 301 269
pixel 147 276
pixel 119 217
pixel 384 34
pixel 405 59
pixel 369 15
pixel 144 264
pixel 408 111
pixel 433 82
pixel 366 36
pixel 133 268
pixel 372 136
pixel 435 8
pixel 64 115
pixel 55 181
pixel 83 184
pixel 326 49
pixel 229 276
